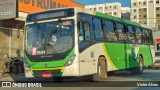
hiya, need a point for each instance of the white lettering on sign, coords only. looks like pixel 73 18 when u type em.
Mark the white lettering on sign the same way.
pixel 40 52
pixel 6 13
pixel 51 15
pixel 46 4
pixel 8 9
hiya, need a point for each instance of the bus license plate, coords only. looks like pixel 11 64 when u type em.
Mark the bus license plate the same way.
pixel 46 75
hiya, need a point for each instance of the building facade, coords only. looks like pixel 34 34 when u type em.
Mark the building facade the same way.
pixel 12 45
pixel 146 12
pixel 125 13
pixel 113 9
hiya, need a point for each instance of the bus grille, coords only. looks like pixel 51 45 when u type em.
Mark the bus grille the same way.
pixel 53 72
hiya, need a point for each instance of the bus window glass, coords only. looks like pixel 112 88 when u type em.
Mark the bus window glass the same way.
pixel 120 32
pixel 81 33
pixel 131 34
pixel 98 31
pixel 145 36
pixel 87 23
pixel 49 37
pixel 87 32
pixel 138 35
pixel 150 37
pixel 110 32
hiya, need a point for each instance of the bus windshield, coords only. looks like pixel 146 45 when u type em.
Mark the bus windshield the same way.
pixel 49 37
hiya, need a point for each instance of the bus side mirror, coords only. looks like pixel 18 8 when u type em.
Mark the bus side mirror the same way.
pixel 86 26
pixel 18 33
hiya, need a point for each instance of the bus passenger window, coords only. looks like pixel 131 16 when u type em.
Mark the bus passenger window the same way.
pixel 120 32
pixel 81 33
pixel 87 31
pixel 98 31
pixel 145 36
pixel 150 37
pixel 131 34
pixel 138 35
pixel 110 32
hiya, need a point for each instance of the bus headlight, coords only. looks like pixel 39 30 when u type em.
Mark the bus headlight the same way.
pixel 70 61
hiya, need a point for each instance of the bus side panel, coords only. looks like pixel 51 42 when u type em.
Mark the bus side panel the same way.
pixel 89 58
pixel 116 52
pixel 153 53
pixel 132 51
pixel 147 55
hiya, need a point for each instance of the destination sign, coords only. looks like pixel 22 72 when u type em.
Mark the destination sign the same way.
pixel 51 14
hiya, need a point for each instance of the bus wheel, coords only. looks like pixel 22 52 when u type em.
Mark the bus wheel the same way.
pixel 101 74
pixel 138 70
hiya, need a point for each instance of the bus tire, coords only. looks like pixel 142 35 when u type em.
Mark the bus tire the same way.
pixel 139 69
pixel 101 74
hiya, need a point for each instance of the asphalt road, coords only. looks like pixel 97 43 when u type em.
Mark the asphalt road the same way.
pixel 148 75
pixel 120 80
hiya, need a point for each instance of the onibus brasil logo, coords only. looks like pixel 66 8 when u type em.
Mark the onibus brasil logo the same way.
pixel 15 84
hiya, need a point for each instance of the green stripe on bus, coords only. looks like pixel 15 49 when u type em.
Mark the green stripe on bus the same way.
pixel 104 48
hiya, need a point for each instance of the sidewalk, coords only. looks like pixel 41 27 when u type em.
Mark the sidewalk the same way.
pixel 20 77
pixel 12 77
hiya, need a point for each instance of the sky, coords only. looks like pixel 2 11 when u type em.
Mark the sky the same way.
pixel 124 3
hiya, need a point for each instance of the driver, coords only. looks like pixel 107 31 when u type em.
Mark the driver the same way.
pixel 51 48
pixel 53 40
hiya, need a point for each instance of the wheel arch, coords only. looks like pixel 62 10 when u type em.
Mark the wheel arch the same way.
pixel 105 59
pixel 141 57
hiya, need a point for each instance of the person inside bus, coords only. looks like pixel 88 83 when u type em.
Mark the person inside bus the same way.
pixel 51 48
pixel 53 40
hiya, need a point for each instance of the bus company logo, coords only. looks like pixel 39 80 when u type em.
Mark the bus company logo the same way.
pixel 45 65
pixel 6 84
pixel 25 84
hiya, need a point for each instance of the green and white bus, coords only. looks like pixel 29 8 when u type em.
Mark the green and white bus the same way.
pixel 85 43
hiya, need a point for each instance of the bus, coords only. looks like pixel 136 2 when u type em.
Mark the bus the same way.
pixel 74 42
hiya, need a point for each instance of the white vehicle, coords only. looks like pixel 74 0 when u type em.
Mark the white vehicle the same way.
pixel 75 42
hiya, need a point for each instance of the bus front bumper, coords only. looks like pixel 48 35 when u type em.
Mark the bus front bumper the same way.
pixel 71 70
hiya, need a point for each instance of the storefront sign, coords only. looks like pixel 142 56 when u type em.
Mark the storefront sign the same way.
pixel 8 9
pixel 158 40
pixel 31 6
pixel 46 4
